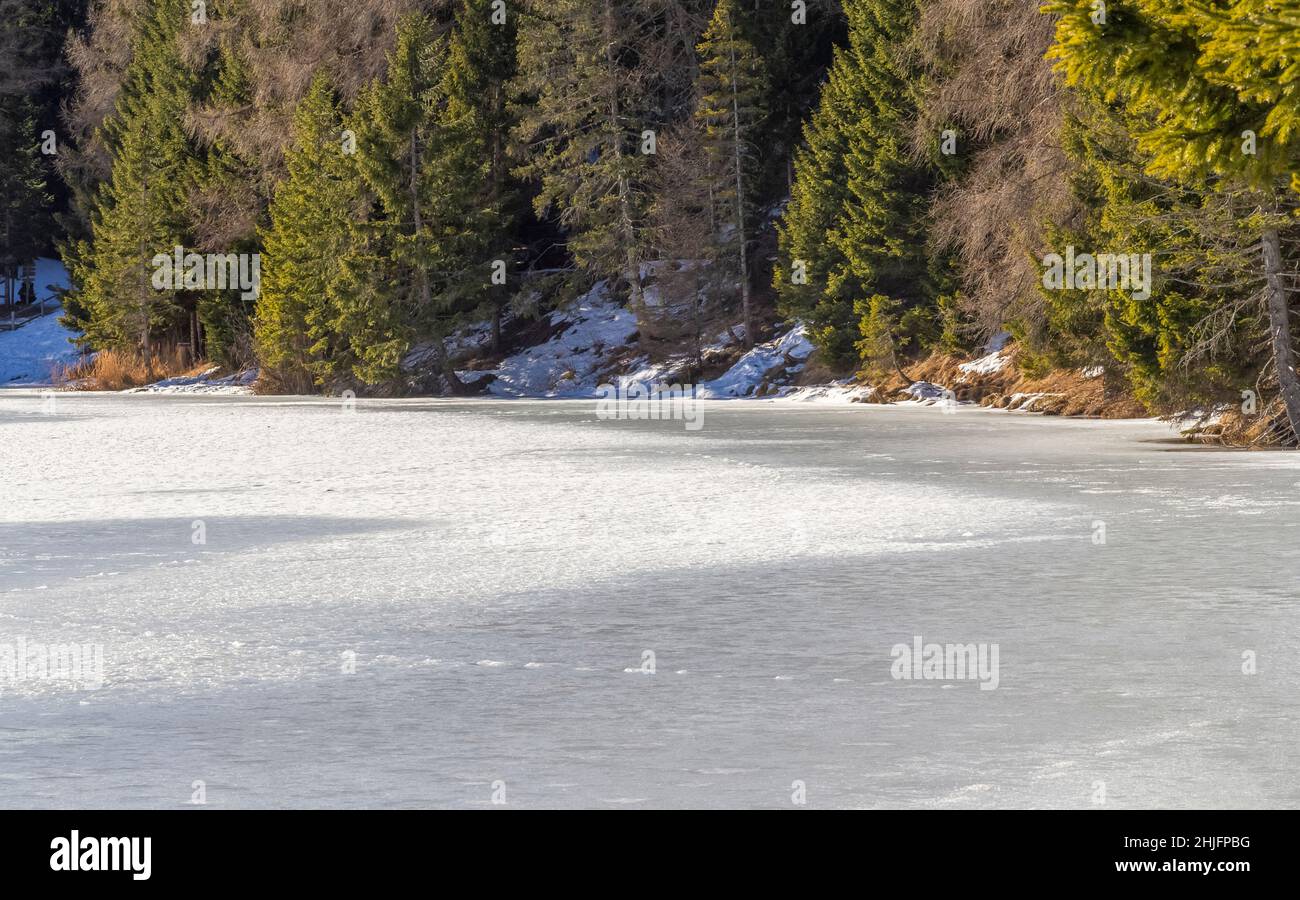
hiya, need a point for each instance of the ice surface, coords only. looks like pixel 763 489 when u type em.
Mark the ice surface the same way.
pixel 493 569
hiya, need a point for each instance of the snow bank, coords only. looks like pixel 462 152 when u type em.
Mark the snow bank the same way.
pixel 843 391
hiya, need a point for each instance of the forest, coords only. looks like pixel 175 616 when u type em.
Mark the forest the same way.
pixel 1109 185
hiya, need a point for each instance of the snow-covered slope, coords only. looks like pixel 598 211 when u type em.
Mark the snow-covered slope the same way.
pixel 30 354
pixel 593 343
pixel 752 369
pixel 576 360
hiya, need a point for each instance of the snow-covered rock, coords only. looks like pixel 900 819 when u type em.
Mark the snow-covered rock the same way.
pixel 575 360
pixel 751 370
pixel 205 382
pixel 924 390
pixel 985 365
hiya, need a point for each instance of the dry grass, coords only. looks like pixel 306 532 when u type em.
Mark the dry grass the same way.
pixel 1064 392
pixel 1267 429
pixel 114 370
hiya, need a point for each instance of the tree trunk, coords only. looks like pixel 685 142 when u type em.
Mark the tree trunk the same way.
pixel 633 270
pixel 737 145
pixel 1279 323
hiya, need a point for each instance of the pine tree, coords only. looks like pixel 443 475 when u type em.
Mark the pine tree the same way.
pixel 1215 111
pixel 855 226
pixel 587 84
pixel 731 91
pixel 308 234
pixel 142 210
pixel 420 263
pixel 25 201
pixel 476 200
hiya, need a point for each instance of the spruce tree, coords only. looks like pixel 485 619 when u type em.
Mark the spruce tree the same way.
pixel 1212 93
pixel 307 236
pixel 476 201
pixel 25 200
pixel 142 210
pixel 808 256
pixel 731 92
pixel 389 291
pixel 223 212
pixel 855 225
pixel 587 88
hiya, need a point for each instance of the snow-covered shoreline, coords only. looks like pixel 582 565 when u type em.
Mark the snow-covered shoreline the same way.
pixel 592 344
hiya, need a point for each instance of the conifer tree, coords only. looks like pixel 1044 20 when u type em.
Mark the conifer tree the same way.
pixel 223 209
pixel 587 84
pixel 855 226
pixel 476 199
pixel 394 281
pixel 310 225
pixel 1215 109
pixel 808 254
pixel 142 210
pixel 25 200
pixel 731 90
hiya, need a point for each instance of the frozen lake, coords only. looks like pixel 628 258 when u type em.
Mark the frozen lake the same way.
pixel 495 573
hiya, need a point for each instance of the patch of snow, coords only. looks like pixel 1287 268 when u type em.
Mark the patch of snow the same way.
pixel 462 341
pixel 1093 371
pixel 744 378
pixel 1025 402
pixel 844 391
pixel 203 383
pixel 572 363
pixel 924 390
pixel 985 365
pixel 32 353
pixel 997 342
